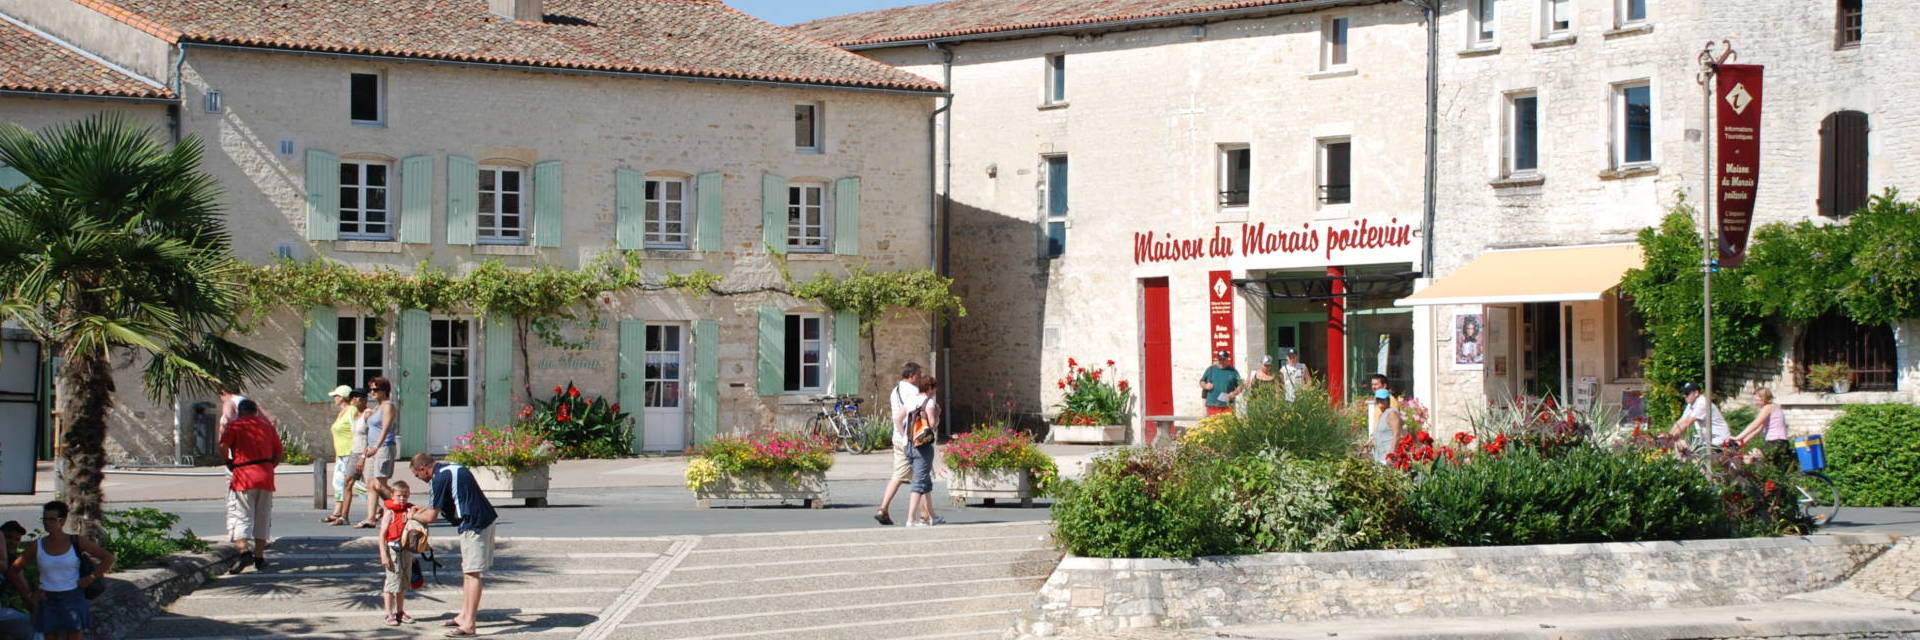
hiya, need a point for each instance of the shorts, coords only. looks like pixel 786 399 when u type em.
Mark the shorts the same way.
pixel 63 612
pixel 249 514
pixel 1214 411
pixel 402 574
pixel 922 459
pixel 381 464
pixel 902 468
pixel 343 472
pixel 476 550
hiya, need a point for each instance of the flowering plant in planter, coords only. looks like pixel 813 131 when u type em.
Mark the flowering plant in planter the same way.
pixel 988 448
pixel 509 448
pixel 766 451
pixel 1093 396
pixel 581 427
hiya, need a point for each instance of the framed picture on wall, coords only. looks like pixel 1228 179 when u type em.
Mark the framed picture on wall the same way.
pixel 1469 341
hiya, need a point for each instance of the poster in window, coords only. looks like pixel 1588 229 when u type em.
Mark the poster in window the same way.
pixel 1469 341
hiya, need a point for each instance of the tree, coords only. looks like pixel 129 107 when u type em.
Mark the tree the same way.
pixel 116 245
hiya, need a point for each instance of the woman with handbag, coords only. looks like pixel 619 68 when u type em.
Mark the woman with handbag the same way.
pixel 923 426
pixel 67 578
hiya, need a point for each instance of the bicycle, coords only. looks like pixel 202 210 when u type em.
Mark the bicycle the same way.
pixel 1819 500
pixel 838 417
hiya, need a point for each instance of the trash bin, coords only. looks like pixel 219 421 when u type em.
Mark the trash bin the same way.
pixel 1812 454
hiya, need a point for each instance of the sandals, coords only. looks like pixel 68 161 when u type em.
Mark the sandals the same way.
pixel 393 620
pixel 406 618
pixel 333 520
pixel 457 632
pixel 366 524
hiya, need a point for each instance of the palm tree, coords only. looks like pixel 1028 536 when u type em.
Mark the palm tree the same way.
pixel 116 246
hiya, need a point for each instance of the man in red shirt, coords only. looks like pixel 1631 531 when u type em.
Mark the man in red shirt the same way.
pixel 251 449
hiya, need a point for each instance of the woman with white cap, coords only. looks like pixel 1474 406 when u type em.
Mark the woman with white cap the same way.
pixel 347 442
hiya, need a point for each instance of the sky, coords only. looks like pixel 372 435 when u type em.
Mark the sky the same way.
pixel 786 12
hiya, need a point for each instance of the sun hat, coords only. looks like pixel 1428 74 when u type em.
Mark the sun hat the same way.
pixel 341 391
pixel 1382 394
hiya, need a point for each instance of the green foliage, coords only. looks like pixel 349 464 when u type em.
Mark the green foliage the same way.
pixel 1826 374
pixel 991 448
pixel 1090 399
pixel 580 427
pixel 1873 455
pixel 1585 495
pixel 1756 496
pixel 1667 290
pixel 1868 268
pixel 1140 503
pixel 871 294
pixel 1277 502
pixel 1309 426
pixel 879 435
pixel 776 451
pixel 294 447
pixel 512 449
pixel 139 536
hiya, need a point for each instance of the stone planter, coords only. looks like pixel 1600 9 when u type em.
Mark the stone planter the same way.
pixel 989 485
pixel 1842 386
pixel 809 487
pixel 1095 434
pixel 498 484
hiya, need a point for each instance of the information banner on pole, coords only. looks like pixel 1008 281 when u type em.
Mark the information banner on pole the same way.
pixel 1737 146
pixel 1219 312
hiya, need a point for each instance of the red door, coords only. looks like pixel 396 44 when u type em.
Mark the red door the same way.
pixel 1157 374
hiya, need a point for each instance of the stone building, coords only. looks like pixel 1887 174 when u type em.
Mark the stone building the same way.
pixel 1264 154
pixel 453 132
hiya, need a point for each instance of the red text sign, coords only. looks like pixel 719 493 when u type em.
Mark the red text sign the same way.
pixel 1258 239
pixel 1220 312
pixel 1737 149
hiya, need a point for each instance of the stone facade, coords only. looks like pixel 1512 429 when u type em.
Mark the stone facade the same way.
pixel 279 106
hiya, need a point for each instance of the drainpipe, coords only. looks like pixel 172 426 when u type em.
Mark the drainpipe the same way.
pixel 943 208
pixel 1430 7
pixel 176 111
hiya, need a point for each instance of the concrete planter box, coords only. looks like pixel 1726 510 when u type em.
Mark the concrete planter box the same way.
pixel 989 485
pixel 498 484
pixel 1095 434
pixel 809 487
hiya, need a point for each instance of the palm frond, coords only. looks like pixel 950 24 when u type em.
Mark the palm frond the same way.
pixel 201 367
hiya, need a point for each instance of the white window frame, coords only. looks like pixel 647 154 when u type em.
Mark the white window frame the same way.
pixel 1482 33
pixel 1322 170
pixel 379 98
pixel 358 203
pixel 654 205
pixel 357 342
pixel 443 351
pixel 798 231
pixel 1047 215
pixel 816 129
pixel 1222 187
pixel 1621 9
pixel 1510 133
pixel 1618 148
pixel 823 358
pixel 1547 28
pixel 1054 79
pixel 493 233
pixel 1336 43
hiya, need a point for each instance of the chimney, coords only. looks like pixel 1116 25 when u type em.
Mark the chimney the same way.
pixel 518 10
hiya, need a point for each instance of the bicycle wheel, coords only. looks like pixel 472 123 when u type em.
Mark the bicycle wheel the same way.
pixel 1819 499
pixel 818 426
pixel 857 434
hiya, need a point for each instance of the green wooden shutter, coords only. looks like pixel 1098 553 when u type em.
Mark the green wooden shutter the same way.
pixel 416 200
pixel 498 384
pixel 773 212
pixel 549 192
pixel 633 377
pixel 772 380
pixel 706 381
pixel 416 329
pixel 846 352
pixel 463 199
pixel 846 216
pixel 629 207
pixel 11 178
pixel 323 195
pixel 322 353
pixel 712 214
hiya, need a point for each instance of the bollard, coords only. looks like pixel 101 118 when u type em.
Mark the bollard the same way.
pixel 320 483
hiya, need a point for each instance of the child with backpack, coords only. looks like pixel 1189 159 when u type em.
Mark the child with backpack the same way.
pixel 396 556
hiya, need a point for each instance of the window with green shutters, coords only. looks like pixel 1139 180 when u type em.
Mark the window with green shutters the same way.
pixel 706 380
pixel 846 216
pixel 773 212
pixel 808 353
pixel 416 200
pixel 463 185
pixel 707 192
pixel 323 195
pixel 321 342
pixel 549 191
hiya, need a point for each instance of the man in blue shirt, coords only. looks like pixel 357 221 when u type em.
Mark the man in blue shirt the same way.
pixel 453 491
pixel 1220 384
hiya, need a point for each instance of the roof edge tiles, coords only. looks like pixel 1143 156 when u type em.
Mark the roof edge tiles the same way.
pixel 37 64
pixel 1043 26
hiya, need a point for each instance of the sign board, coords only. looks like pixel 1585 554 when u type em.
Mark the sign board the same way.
pixel 1220 312
pixel 1737 155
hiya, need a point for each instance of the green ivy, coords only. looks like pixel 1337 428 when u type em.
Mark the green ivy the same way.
pixel 872 294
pixel 1867 269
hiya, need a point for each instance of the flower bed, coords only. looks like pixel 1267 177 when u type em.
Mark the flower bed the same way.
pixel 992 463
pixel 509 463
pixel 763 465
pixel 581 427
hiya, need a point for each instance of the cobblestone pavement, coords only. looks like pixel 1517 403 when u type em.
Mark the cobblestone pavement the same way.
pixel 940 582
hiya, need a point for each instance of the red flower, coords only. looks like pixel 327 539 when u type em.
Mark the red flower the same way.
pixel 1096 375
pixel 1123 385
pixel 1109 363
pixel 1071 363
pixel 616 407
pixel 572 391
pixel 1463 438
pixel 526 411
pixel 1063 384
pixel 557 390
pixel 1770 487
pixel 1425 438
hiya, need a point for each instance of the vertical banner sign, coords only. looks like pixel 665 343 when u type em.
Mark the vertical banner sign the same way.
pixel 1737 154
pixel 1219 312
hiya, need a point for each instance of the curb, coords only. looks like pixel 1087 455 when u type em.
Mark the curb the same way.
pixel 135 595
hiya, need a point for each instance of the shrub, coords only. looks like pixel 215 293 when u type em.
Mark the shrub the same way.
pixel 989 448
pixel 1091 400
pixel 1873 455
pixel 139 536
pixel 1143 503
pixel 1757 496
pixel 1584 494
pixel 294 449
pixel 1309 426
pixel 771 451
pixel 879 434
pixel 1540 424
pixel 581 427
pixel 513 449
pixel 1280 503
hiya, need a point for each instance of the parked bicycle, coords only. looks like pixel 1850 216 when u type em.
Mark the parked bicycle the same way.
pixel 838 417
pixel 1819 499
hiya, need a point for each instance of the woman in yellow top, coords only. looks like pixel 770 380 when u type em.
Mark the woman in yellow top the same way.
pixel 346 451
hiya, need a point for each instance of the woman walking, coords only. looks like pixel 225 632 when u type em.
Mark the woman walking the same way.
pixel 61 600
pixel 921 425
pixel 1777 447
pixel 1386 426
pixel 349 440
pixel 383 433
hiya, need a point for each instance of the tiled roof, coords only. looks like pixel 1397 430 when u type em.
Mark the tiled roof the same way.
pixel 972 17
pixel 695 38
pixel 30 62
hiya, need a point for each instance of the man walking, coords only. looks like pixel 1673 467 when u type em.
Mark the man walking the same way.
pixel 251 449
pixel 904 398
pixel 1220 384
pixel 452 491
pixel 1377 383
pixel 1293 374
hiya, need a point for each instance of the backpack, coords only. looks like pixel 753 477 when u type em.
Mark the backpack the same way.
pixel 919 425
pixel 415 540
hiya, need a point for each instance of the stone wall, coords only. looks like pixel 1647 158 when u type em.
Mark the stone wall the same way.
pixel 1102 594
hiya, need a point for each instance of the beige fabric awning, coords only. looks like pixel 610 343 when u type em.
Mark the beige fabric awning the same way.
pixel 1558 274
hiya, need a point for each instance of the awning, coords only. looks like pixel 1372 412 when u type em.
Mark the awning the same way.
pixel 1558 274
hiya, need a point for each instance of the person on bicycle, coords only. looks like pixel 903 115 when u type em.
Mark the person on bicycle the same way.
pixel 1700 410
pixel 905 396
